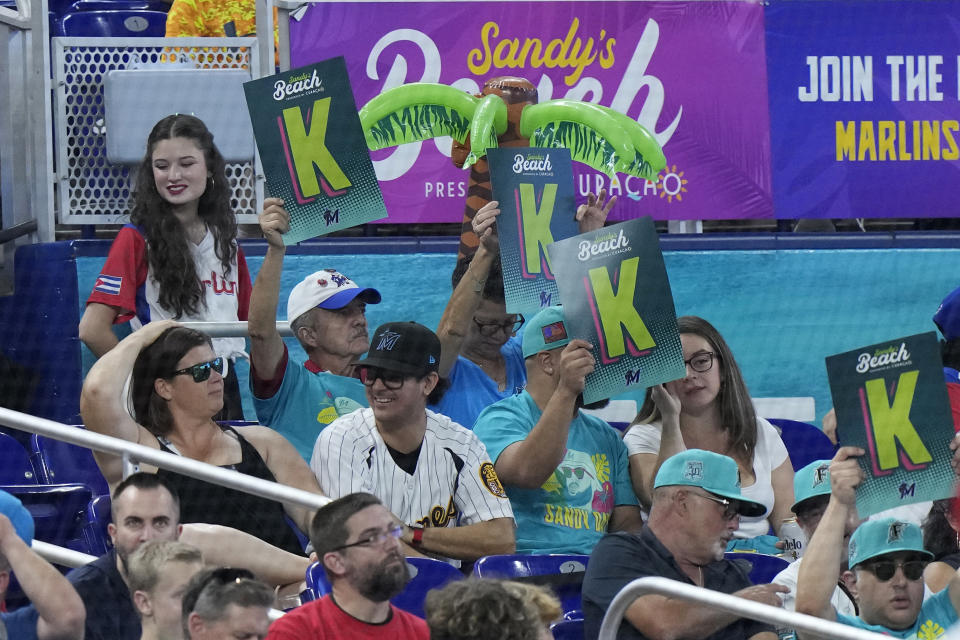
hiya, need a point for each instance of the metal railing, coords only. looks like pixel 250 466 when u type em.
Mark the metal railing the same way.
pixel 237 328
pixel 724 602
pixel 132 452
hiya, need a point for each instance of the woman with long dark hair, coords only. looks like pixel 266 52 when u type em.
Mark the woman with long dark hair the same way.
pixel 178 258
pixel 711 409
pixel 941 537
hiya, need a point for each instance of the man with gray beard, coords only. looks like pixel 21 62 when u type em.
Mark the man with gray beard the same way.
pixel 357 541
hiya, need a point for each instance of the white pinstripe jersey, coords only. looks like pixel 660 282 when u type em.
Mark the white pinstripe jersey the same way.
pixel 454 483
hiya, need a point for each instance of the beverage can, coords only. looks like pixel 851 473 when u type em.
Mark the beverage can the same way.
pixel 794 540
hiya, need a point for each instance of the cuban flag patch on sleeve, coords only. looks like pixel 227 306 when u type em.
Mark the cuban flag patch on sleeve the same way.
pixel 108 284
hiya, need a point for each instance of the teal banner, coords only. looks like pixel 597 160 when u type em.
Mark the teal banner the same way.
pixel 312 149
pixel 615 294
pixel 891 400
pixel 535 190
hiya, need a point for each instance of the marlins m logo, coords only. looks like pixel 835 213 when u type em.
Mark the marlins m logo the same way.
pixel 388 340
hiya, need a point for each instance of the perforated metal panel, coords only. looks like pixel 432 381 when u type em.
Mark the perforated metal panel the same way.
pixel 91 190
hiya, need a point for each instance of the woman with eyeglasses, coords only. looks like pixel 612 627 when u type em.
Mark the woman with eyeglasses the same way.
pixel 710 408
pixel 176 390
pixel 178 258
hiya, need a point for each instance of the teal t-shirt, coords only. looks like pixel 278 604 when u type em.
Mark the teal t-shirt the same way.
pixel 936 616
pixel 306 402
pixel 570 512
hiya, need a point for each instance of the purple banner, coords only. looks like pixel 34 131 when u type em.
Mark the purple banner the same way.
pixel 691 72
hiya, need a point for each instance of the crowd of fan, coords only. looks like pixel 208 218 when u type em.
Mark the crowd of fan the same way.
pixel 456 444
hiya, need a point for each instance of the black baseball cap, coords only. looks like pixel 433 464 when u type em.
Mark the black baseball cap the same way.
pixel 404 347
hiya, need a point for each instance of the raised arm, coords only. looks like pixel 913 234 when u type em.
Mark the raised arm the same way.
pixel 96 328
pixel 781 479
pixel 821 561
pixel 593 214
pixel 469 542
pixel 468 293
pixel 644 466
pixel 529 462
pixel 102 402
pixel 60 609
pixel 266 345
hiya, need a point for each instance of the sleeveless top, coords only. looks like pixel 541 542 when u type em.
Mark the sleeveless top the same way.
pixel 201 501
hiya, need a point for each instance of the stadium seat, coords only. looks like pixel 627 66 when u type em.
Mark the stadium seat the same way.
pixel 427 574
pixel 59 512
pixel 561 572
pixel 567 630
pixel 805 442
pixel 95 528
pixel 15 466
pixel 763 567
pixel 59 462
pixel 127 5
pixel 112 24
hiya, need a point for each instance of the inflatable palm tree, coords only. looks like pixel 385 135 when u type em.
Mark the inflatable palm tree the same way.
pixel 506 113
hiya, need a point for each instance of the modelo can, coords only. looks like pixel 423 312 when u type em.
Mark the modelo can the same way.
pixel 794 540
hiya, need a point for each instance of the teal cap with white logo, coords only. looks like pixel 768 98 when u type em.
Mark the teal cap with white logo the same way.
pixel 883 536
pixel 811 481
pixel 712 472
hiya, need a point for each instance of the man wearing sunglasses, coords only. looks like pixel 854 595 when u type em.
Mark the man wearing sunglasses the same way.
pixel 696 508
pixel 887 558
pixel 327 313
pixel 433 474
pixel 357 542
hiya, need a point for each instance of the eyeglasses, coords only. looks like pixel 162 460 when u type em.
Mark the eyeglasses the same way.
pixel 201 371
pixel 701 362
pixel 730 510
pixel 490 329
pixel 884 569
pixel 223 575
pixel 373 539
pixel 390 379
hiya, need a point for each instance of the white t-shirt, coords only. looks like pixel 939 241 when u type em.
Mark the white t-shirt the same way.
pixel 769 454
pixel 788 578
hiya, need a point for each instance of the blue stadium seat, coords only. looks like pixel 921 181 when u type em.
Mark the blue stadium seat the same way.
pixel 15 466
pixel 427 574
pixel 59 512
pixel 805 442
pixel 59 462
pixel 112 24
pixel 95 527
pixel 563 573
pixel 567 630
pixel 763 567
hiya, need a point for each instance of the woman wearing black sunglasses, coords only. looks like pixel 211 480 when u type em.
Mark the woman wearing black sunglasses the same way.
pixel 176 389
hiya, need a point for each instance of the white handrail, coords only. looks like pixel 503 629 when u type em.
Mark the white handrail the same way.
pixel 724 602
pixel 61 555
pixel 161 459
pixel 232 329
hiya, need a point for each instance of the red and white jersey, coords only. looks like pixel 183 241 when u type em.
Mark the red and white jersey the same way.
pixel 126 281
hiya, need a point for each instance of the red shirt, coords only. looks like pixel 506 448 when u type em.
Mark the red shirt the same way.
pixel 322 619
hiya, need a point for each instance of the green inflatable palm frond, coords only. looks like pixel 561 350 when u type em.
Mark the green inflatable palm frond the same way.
pixel 415 123
pixel 584 143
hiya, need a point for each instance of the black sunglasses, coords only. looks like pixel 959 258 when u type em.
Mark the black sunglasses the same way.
pixel 884 569
pixel 730 510
pixel 490 329
pixel 377 538
pixel 391 379
pixel 223 575
pixel 201 371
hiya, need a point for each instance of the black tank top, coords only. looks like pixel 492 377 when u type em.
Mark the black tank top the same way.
pixel 201 501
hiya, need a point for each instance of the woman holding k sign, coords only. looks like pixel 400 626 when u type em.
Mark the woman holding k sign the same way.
pixel 711 409
pixel 179 257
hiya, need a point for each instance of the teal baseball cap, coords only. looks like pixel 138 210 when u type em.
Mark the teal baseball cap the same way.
pixel 18 515
pixel 811 481
pixel 545 331
pixel 882 536
pixel 711 472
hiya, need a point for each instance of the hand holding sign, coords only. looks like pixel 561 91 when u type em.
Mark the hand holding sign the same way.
pixel 485 226
pixel 576 362
pixel 846 475
pixel 274 222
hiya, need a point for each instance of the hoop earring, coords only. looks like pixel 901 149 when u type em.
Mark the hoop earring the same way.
pixel 212 181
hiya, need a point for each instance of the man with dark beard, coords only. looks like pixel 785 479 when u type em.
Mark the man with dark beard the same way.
pixel 143 508
pixel 566 472
pixel 357 540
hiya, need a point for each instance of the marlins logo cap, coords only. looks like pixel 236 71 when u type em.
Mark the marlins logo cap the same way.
pixel 545 331
pixel 886 535
pixel 712 472
pixel 404 347
pixel 326 289
pixel 811 481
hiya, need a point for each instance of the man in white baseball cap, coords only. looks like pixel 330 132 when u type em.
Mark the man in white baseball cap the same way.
pixel 327 314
